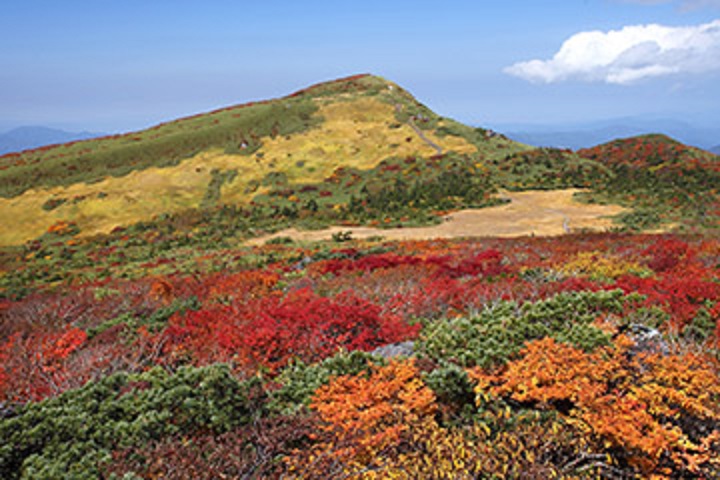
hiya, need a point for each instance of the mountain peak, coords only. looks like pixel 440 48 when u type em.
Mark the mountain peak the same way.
pixel 236 156
pixel 657 138
pixel 340 85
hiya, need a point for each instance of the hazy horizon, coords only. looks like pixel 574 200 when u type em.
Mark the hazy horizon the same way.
pixel 121 67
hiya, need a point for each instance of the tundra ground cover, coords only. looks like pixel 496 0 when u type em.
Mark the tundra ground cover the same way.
pixel 530 356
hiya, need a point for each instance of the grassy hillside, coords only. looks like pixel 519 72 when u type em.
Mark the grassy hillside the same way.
pixel 354 150
pixel 226 157
pixel 357 151
pixel 548 169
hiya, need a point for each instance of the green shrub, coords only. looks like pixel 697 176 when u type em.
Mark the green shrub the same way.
pixel 69 435
pixel 342 236
pixel 500 330
pixel 53 203
pixel 219 178
pixel 282 240
pixel 453 389
pixel 640 218
pixel 155 322
pixel 299 381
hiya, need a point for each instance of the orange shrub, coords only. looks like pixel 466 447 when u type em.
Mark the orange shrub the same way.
pixel 650 408
pixel 363 419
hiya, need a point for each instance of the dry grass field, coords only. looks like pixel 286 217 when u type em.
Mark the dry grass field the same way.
pixel 553 212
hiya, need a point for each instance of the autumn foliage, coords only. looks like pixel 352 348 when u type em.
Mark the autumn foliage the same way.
pixel 272 331
pixel 577 357
pixel 648 407
pixel 366 415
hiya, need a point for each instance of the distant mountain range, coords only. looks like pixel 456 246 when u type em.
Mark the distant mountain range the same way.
pixel 716 150
pixel 23 138
pixel 586 135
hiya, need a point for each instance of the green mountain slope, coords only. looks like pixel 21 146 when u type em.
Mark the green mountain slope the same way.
pixel 228 157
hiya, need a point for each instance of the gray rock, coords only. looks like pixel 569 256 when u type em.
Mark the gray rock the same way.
pixel 647 340
pixel 6 410
pixel 302 263
pixel 402 349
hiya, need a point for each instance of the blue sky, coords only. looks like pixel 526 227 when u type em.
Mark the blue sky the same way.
pixel 115 66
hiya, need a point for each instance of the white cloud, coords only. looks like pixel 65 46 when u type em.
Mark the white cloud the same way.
pixel 628 55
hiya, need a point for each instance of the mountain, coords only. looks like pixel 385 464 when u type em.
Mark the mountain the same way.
pixel 715 150
pixel 358 150
pixel 322 140
pixel 585 135
pixel 23 138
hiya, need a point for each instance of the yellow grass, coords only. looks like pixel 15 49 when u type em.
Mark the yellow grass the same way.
pixel 355 133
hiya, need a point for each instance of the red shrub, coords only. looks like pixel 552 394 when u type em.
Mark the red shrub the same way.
pixel 667 254
pixel 35 366
pixel 271 331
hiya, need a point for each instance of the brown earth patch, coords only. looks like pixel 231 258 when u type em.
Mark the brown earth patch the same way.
pixel 544 213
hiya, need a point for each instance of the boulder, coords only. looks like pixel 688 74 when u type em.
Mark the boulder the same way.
pixel 402 349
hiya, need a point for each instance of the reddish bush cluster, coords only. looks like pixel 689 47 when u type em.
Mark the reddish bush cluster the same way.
pixel 356 300
pixel 668 254
pixel 487 263
pixel 37 365
pixel 271 331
